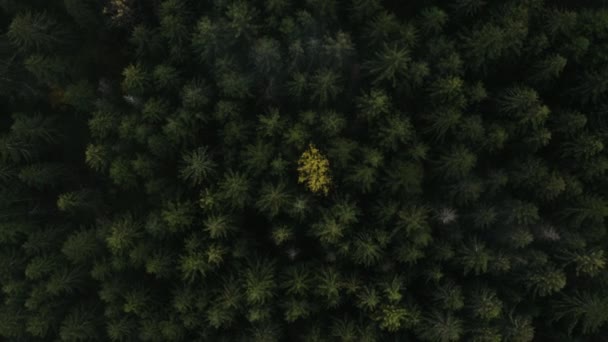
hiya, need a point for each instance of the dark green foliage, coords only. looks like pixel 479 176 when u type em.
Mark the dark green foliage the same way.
pixel 81 246
pixel 325 85
pixel 48 70
pixel 197 167
pixel 136 80
pixel 234 189
pixel 80 201
pixel 273 198
pixel 390 64
pixel 149 180
pixel 80 95
pixel 457 163
pixel 441 327
pixel 41 175
pixel 583 309
pixel 31 31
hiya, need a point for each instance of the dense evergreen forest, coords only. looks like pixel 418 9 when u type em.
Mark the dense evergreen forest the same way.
pixel 304 170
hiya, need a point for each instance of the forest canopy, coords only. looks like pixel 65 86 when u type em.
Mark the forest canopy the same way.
pixel 304 170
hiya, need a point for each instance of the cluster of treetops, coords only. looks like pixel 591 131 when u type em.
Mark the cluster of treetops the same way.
pixel 304 170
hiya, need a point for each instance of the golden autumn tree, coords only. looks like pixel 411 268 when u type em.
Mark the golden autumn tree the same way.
pixel 313 170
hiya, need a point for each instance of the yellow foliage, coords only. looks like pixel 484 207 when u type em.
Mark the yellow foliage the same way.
pixel 313 169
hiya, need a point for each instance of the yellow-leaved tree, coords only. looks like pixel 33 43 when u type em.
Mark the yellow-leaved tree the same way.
pixel 313 170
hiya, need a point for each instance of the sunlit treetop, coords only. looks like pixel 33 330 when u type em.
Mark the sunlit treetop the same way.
pixel 313 170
